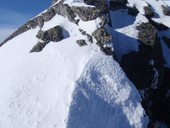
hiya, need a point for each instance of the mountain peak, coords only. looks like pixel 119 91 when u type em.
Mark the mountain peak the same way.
pixel 90 64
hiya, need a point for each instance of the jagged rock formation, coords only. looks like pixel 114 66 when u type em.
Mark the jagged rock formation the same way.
pixel 146 69
pixel 102 36
pixel 54 34
pixel 148 12
pixel 166 10
pixel 147 34
pixel 81 42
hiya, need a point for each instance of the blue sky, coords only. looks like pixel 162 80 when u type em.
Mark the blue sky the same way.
pixel 14 13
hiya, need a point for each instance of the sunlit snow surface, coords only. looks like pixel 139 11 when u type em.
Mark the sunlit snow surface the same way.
pixel 105 98
pixel 67 86
pixel 37 88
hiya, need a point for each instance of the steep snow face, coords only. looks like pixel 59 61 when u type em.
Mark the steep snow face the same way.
pixel 105 98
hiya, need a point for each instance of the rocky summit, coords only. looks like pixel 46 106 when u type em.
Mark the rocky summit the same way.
pixel 88 64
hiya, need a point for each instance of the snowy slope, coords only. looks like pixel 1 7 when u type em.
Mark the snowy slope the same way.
pixel 67 86
pixel 36 89
pixel 105 98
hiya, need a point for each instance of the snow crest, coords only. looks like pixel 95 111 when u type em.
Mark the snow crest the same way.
pixel 105 98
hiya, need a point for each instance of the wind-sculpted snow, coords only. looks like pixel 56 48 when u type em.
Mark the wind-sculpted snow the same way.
pixel 105 98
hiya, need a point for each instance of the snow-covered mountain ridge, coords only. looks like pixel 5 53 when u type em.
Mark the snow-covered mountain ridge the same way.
pixel 65 67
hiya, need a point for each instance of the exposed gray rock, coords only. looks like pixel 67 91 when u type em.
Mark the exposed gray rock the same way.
pixel 87 13
pixel 102 36
pixel 108 51
pixel 54 34
pixel 148 12
pixel 40 21
pixel 81 42
pixel 166 10
pixel 89 37
pixel 48 15
pixel 103 21
pixel 32 23
pixel 91 13
pixel 38 47
pixel 147 34
pixel 66 11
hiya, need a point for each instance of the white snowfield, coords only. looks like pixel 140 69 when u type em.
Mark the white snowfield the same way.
pixel 36 88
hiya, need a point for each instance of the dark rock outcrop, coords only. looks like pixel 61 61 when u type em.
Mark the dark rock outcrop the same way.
pixel 38 47
pixel 88 13
pixel 89 37
pixel 166 10
pixel 102 36
pixel 158 26
pixel 81 42
pixel 147 34
pixel 65 11
pixel 133 11
pixel 138 70
pixel 146 70
pixel 54 34
pixel 49 14
pixel 148 12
